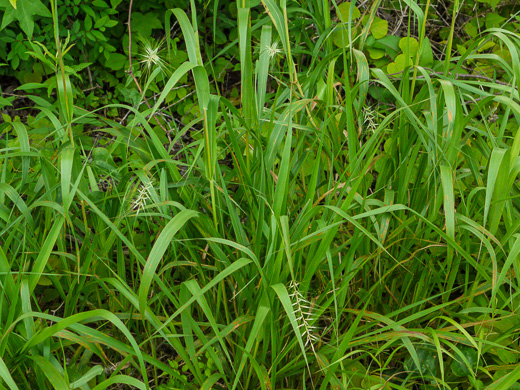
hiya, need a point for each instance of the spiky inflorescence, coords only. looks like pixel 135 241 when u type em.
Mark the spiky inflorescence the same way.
pixel 369 119
pixel 304 315
pixel 273 50
pixel 152 56
pixel 144 194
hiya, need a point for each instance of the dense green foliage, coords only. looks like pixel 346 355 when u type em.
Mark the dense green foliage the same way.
pixel 288 195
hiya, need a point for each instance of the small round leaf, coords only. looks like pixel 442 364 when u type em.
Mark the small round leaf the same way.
pixel 344 12
pixel 379 28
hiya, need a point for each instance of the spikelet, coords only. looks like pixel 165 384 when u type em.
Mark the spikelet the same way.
pixel 143 195
pixel 273 50
pixel 305 314
pixel 152 56
pixel 369 119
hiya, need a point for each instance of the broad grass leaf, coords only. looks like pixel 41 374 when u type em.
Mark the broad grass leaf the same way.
pixel 190 37
pixel 262 69
pixel 6 376
pixel 363 76
pixel 161 244
pixel 87 377
pixel 44 253
pixel 208 383
pixel 246 66
pixel 121 380
pixel 23 137
pixel 253 335
pixel 508 381
pixel 449 208
pixel 50 371
pixel 77 319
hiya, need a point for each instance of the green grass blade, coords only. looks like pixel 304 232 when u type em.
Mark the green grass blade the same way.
pixel 121 380
pixel 286 302
pixel 261 314
pixel 44 253
pixel 156 254
pixel 53 376
pixel 6 376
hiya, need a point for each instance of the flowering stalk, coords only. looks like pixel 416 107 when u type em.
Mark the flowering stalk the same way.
pixel 304 315
pixel 144 194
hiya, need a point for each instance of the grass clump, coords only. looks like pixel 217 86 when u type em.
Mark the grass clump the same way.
pixel 335 225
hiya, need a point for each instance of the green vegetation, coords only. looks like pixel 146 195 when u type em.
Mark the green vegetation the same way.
pixel 276 195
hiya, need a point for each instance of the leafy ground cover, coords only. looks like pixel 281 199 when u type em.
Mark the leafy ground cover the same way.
pixel 294 195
